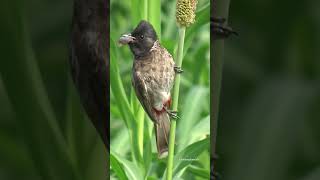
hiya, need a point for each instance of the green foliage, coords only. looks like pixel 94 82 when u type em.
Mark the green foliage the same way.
pixel 188 155
pixel 131 127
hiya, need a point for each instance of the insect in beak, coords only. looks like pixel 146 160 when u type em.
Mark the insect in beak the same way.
pixel 126 39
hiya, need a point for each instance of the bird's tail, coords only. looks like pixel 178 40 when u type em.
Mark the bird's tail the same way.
pixel 162 129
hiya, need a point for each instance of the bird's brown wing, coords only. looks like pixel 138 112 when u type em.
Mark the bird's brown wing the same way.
pixel 161 121
pixel 141 90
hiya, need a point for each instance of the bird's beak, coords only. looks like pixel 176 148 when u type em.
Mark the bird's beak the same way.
pixel 126 39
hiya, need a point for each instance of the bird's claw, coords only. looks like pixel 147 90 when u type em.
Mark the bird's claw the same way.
pixel 178 69
pixel 214 175
pixel 221 31
pixel 172 114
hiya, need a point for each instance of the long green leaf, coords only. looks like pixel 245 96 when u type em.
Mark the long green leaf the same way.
pixel 188 155
pixel 154 15
pixel 199 172
pixel 132 170
pixel 183 158
pixel 117 168
pixel 192 108
pixel 200 130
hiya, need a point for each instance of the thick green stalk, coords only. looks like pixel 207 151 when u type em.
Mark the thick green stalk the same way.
pixel 182 32
pixel 154 15
pixel 220 9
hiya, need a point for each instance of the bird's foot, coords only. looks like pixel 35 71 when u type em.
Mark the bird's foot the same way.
pixel 220 31
pixel 172 114
pixel 178 70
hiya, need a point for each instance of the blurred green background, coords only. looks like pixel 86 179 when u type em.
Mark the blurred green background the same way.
pixel 269 119
pixel 133 147
pixel 270 104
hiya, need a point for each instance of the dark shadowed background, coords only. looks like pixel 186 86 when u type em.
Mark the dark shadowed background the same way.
pixel 44 133
pixel 270 106
pixel 269 125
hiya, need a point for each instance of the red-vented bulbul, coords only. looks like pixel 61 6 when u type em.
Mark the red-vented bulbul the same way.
pixel 89 61
pixel 153 75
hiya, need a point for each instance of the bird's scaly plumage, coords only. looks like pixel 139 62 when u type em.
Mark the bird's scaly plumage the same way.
pixel 153 77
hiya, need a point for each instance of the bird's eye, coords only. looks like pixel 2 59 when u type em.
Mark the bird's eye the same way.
pixel 141 36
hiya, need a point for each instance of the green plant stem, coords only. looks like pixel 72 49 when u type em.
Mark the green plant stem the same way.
pixel 140 118
pixel 220 9
pixel 182 32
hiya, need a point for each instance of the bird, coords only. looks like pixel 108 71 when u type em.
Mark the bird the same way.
pixel 89 61
pixel 153 74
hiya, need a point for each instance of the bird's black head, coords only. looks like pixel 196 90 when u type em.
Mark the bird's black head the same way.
pixel 141 39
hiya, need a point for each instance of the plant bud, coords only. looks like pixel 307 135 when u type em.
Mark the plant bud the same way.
pixel 185 12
